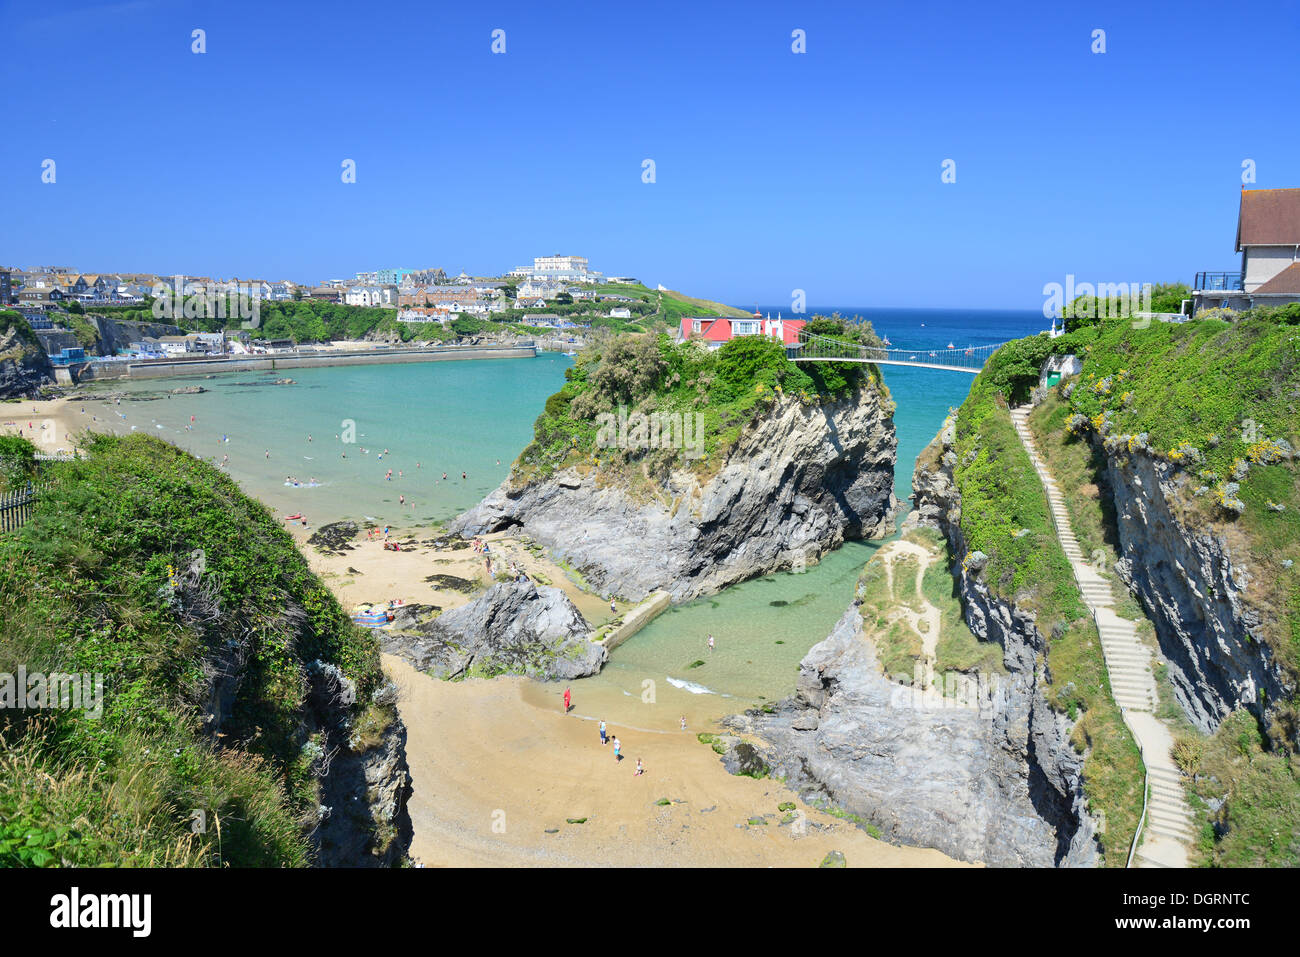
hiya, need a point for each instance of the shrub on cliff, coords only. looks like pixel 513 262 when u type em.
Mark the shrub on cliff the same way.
pixel 216 644
pixel 720 389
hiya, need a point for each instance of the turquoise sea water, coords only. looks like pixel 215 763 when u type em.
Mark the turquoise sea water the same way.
pixel 470 417
pixel 475 417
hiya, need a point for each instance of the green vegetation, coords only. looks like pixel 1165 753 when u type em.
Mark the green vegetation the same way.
pixel 1216 399
pixel 17 462
pixel 1007 526
pixel 1249 796
pixel 13 324
pixel 721 390
pixel 1093 310
pixel 151 568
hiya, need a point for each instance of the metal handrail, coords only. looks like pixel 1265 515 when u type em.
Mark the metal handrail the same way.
pixel 1123 711
pixel 1146 790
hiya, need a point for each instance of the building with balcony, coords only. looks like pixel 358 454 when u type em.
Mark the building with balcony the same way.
pixel 1268 239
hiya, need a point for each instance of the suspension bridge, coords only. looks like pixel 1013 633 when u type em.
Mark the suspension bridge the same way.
pixel 815 348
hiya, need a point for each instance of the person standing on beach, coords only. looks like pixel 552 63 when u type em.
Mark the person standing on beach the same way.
pixel 617 747
pixel 604 739
pixel 710 643
pixel 683 722
pixel 567 698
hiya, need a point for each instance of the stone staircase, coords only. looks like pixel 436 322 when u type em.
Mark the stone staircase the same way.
pixel 1168 828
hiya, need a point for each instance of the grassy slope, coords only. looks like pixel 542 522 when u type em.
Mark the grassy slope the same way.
pixel 86 587
pixel 1213 399
pixel 1005 515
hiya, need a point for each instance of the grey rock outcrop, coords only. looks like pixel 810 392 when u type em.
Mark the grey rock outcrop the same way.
pixel 997 781
pixel 24 366
pixel 971 782
pixel 1195 587
pixel 800 480
pixel 513 627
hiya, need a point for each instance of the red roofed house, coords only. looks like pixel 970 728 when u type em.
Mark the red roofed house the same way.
pixel 715 330
pixel 1268 238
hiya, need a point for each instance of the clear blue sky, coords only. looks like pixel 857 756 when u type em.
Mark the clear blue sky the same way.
pixel 775 171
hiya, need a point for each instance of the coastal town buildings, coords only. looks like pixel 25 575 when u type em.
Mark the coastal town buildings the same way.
pixel 1268 238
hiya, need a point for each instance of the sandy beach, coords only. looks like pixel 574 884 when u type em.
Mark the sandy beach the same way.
pixel 369 573
pixel 53 424
pixel 497 769
pixel 496 778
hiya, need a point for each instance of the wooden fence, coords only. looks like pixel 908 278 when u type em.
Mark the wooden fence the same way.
pixel 16 507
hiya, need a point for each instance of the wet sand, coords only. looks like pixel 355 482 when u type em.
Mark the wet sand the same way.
pixel 492 774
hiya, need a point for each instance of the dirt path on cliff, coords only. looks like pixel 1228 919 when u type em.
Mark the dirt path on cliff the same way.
pixel 929 615
pixel 492 774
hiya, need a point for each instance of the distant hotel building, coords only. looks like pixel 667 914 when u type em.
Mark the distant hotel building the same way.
pixel 558 269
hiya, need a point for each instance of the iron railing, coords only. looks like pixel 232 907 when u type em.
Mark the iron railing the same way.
pixel 1218 281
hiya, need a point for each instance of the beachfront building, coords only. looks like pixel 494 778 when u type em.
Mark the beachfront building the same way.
pixel 425 314
pixel 539 289
pixel 1268 238
pixel 716 330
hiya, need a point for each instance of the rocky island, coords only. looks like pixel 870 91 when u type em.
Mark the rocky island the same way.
pixel 670 467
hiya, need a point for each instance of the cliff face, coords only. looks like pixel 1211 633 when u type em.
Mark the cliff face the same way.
pixel 990 778
pixel 365 789
pixel 1195 584
pixel 115 334
pixel 798 482
pixel 24 367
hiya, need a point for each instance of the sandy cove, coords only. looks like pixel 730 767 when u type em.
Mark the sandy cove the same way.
pixel 492 773
pixel 477 747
